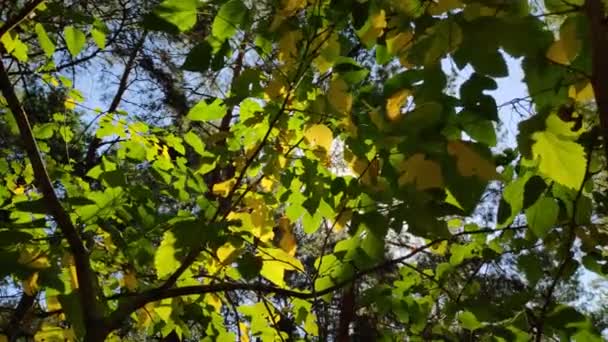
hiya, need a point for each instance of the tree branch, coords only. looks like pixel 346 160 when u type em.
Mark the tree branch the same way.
pixel 87 280
pixel 89 160
pixel 595 12
pixel 19 17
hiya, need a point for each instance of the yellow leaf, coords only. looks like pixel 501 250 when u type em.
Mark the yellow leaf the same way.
pixel 373 28
pixel 288 47
pixel 470 163
pixel 425 174
pixel 288 9
pixel 319 135
pixel 328 54
pixel 343 219
pixel 275 89
pixel 223 189
pixel 68 261
pixel 394 104
pixel 366 170
pixel 213 300
pixel 339 97
pixel 130 280
pixel 399 42
pixel 52 303
pixel 145 315
pixel 33 259
pixel 244 329
pixel 226 253
pixel 275 262
pixel 3 338
pixel 288 241
pixel 19 190
pixel 267 184
pixel 69 103
pixel 30 285
pixel 582 92
pixel 566 48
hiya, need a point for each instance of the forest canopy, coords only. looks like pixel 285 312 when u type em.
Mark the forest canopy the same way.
pixel 303 170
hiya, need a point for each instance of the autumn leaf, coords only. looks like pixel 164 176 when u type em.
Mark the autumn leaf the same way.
pixel 288 241
pixel 470 163
pixel 423 173
pixel 319 135
pixel 394 104
pixel 373 28
pixel 339 97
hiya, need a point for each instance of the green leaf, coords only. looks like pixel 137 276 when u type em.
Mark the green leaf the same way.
pixel 165 261
pixel 181 13
pixel 542 216
pixel 44 131
pixel 198 58
pixel 469 321
pixel 74 39
pixel 99 37
pixel 559 159
pixel 203 111
pixel 534 187
pixel 232 14
pixel 46 43
pixel 195 142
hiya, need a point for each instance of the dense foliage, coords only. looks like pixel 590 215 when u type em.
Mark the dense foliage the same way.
pixel 286 170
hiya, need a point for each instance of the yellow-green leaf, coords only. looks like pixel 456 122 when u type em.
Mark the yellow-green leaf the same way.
pixel 165 261
pixel 559 159
pixel 46 43
pixel 74 39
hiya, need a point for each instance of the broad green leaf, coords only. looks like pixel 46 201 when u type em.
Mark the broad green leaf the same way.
pixel 542 216
pixel 199 58
pixel 230 16
pixel 46 43
pixel 203 111
pixel 559 159
pixel 99 37
pixel 195 142
pixel 469 321
pixel 15 46
pixel 165 261
pixel 181 13
pixel 74 39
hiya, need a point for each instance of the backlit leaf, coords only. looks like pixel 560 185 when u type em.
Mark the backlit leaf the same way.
pixel 165 261
pixel 394 104
pixel 181 13
pixel 204 111
pixel 542 215
pixel 423 173
pixel 46 43
pixel 74 39
pixel 471 163
pixel 559 159
pixel 319 135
